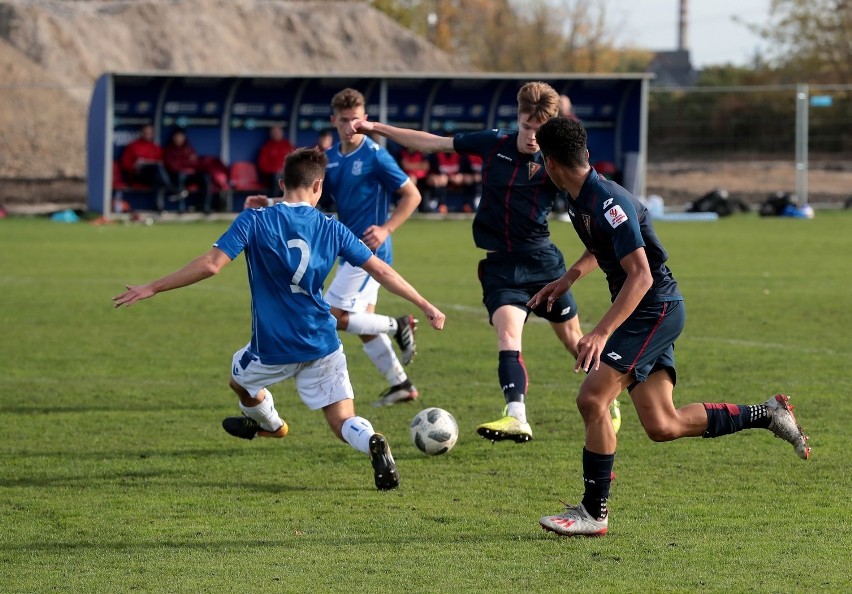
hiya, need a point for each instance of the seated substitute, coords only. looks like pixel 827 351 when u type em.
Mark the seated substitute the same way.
pixel 141 162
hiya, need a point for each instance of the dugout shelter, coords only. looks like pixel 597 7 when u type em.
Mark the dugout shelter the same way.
pixel 229 117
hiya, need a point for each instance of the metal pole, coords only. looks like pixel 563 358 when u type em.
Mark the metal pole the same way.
pixel 383 107
pixel 801 144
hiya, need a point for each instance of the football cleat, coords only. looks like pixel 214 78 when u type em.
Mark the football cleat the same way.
pixel 246 428
pixel 384 468
pixel 783 424
pixel 575 521
pixel 506 428
pixel 404 337
pixel 404 392
pixel 615 415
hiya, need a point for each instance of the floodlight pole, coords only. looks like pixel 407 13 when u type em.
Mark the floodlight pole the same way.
pixel 802 94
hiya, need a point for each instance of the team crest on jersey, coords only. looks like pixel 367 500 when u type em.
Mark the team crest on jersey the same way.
pixel 357 167
pixel 533 169
pixel 615 216
pixel 587 221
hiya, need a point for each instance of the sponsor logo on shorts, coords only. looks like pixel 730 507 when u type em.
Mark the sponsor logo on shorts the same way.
pixel 566 311
pixel 615 216
pixel 614 356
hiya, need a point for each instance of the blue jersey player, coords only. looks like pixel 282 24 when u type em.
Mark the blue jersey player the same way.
pixel 290 249
pixel 511 226
pixel 635 337
pixel 363 179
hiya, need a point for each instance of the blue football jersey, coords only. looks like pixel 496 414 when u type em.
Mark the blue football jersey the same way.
pixel 362 184
pixel 290 250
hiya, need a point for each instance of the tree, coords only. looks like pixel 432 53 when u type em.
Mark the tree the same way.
pixel 518 35
pixel 811 40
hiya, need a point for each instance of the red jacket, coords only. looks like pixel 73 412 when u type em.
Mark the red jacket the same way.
pixel 447 163
pixel 414 163
pixel 139 150
pixel 180 159
pixel 272 154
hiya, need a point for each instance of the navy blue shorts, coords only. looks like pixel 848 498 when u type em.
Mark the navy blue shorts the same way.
pixel 513 278
pixel 644 343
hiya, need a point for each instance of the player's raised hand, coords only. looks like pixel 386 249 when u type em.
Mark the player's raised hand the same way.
pixel 550 293
pixel 358 126
pixel 132 295
pixel 255 201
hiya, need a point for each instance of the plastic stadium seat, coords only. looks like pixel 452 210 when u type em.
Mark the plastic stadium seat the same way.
pixel 244 177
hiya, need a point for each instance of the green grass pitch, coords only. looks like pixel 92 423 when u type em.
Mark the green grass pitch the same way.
pixel 117 476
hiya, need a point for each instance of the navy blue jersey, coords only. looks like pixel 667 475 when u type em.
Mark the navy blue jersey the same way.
pixel 612 224
pixel 290 249
pixel 517 193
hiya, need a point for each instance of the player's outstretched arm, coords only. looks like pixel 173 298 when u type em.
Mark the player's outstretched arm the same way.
pixel 553 291
pixel 375 235
pixel 635 287
pixel 255 201
pixel 204 266
pixel 391 280
pixel 417 140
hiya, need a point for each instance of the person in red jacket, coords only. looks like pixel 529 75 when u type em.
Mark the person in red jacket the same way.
pixel 183 165
pixel 445 174
pixel 141 162
pixel 270 160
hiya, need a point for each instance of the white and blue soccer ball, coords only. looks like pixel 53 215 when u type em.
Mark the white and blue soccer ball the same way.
pixel 434 431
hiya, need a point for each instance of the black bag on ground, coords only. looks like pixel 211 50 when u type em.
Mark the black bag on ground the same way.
pixel 776 203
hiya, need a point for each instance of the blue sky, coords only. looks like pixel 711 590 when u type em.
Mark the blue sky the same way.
pixel 713 37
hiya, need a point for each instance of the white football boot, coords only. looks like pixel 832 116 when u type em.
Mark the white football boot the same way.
pixel 783 424
pixel 575 521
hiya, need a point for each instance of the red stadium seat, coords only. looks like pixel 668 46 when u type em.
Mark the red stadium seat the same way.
pixel 117 180
pixel 244 177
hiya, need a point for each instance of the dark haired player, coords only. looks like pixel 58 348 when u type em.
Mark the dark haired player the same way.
pixel 635 338
pixel 511 226
pixel 290 249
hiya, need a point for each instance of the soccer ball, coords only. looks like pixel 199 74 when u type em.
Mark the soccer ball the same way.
pixel 434 431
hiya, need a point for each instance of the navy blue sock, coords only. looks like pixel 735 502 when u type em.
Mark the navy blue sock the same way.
pixel 723 419
pixel 512 375
pixel 597 476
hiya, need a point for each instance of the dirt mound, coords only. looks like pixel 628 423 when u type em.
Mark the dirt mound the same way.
pixel 51 52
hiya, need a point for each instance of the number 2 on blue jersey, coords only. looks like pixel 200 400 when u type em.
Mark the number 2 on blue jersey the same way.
pixel 305 250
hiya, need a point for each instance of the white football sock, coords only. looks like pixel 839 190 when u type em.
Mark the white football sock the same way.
pixel 370 323
pixel 382 355
pixel 357 432
pixel 264 413
pixel 517 410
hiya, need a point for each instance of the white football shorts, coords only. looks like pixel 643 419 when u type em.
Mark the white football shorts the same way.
pixel 319 382
pixel 352 289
